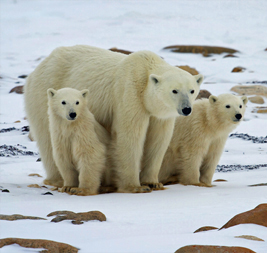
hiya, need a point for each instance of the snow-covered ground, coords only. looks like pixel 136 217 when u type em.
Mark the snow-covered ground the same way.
pixel 161 221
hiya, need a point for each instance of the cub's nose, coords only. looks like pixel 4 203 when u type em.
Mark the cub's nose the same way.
pixel 238 116
pixel 186 111
pixel 73 115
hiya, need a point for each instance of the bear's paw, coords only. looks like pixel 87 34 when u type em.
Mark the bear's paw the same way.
pixel 81 191
pixel 135 189
pixel 154 186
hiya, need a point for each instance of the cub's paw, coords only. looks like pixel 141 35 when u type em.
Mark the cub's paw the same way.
pixel 154 186
pixel 135 189
pixel 81 191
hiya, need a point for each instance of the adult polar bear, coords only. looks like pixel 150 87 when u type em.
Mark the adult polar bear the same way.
pixel 135 97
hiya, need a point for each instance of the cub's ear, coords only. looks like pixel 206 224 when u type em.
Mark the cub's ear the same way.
pixel 199 78
pixel 245 100
pixel 213 99
pixel 51 93
pixel 85 93
pixel 154 79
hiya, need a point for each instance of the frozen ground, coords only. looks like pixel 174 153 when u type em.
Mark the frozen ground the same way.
pixel 161 221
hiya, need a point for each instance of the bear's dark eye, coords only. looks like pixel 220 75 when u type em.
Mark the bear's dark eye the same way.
pixel 192 91
pixel 240 106
pixel 228 106
pixel 174 91
pixel 77 102
pixel 63 102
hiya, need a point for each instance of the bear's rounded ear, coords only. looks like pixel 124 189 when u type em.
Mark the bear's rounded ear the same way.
pixel 199 78
pixel 51 93
pixel 212 99
pixel 154 79
pixel 84 93
pixel 245 100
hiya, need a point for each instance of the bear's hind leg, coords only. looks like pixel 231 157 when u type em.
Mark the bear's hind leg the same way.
pixel 54 177
pixel 36 109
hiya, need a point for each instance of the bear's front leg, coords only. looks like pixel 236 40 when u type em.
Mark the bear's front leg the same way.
pixel 66 169
pixel 190 168
pixel 158 138
pixel 211 161
pixel 91 166
pixel 127 144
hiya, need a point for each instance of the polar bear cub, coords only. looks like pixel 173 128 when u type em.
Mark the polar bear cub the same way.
pixel 198 140
pixel 77 151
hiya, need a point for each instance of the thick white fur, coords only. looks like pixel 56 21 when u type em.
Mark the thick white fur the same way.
pixel 198 140
pixel 78 153
pixel 131 96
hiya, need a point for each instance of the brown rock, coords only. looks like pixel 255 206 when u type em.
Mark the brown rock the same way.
pixel 212 249
pixel 54 188
pixel 34 175
pixel 220 180
pixel 260 109
pixel 77 218
pixel 203 94
pixel 19 217
pixel 257 216
pixel 230 55
pixel 262 184
pixel 190 70
pixel 23 76
pixel 250 90
pixel 206 228
pixel 238 69
pixel 250 237
pixel 51 246
pixel 114 49
pixel 17 89
pixel 34 186
pixel 256 100
pixel 204 50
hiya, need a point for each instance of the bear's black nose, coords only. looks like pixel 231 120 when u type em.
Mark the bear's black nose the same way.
pixel 186 111
pixel 72 115
pixel 238 116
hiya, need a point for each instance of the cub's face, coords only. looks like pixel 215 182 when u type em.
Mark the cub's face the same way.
pixel 229 107
pixel 67 103
pixel 173 93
